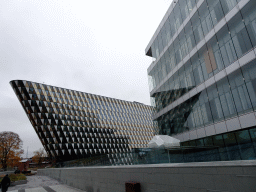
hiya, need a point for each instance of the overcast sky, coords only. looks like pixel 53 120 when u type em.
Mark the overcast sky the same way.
pixel 96 47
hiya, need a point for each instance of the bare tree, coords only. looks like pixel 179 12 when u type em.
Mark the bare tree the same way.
pixel 10 148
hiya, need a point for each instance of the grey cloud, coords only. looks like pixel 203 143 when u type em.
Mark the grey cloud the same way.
pixel 95 47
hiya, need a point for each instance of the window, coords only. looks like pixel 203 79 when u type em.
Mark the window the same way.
pixel 216 11
pixel 249 74
pixel 227 5
pixel 239 91
pixel 197 28
pixel 239 35
pixel 226 98
pixel 249 16
pixel 197 70
pixel 177 15
pixel 189 37
pixel 205 18
pixel 215 104
pixel 227 50
pixel 215 55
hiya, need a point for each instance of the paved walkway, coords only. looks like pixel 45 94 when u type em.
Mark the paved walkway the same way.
pixel 42 184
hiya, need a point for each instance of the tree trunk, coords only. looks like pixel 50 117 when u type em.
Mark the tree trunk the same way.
pixel 4 165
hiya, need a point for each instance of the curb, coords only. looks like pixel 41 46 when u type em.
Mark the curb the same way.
pixel 21 182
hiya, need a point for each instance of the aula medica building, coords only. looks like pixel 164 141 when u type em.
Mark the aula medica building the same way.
pixel 74 125
pixel 203 75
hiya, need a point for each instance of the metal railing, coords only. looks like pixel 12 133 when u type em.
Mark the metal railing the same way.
pixel 149 156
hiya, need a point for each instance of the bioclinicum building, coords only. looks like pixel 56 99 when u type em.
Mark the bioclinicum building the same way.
pixel 203 75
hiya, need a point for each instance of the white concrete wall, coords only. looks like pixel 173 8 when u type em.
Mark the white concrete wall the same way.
pixel 235 176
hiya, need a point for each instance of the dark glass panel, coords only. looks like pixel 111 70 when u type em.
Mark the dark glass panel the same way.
pixel 197 70
pixel 218 140
pixel 243 137
pixel 215 104
pixel 177 15
pixel 197 28
pixel 184 9
pixel 183 44
pixel 231 146
pixel 191 4
pixel 227 5
pixel 215 56
pixel 205 62
pixel 239 35
pixel 229 139
pixel 171 21
pixel 215 10
pixel 190 36
pixel 160 43
pixel 249 16
pixel 192 143
pixel 185 143
pixel 226 98
pixel 227 50
pixel 239 91
pixel 167 32
pixel 205 18
pixel 200 142
pixel 253 137
pixel 249 74
pixel 189 77
pixel 208 141
pixel 176 46
pixel 163 33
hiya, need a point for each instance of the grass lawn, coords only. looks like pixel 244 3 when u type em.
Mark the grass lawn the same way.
pixel 14 177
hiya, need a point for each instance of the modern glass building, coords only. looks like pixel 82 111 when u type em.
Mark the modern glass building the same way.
pixel 203 76
pixel 73 124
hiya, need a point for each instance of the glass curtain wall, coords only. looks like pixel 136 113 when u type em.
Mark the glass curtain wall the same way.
pixel 173 23
pixel 238 145
pixel 236 33
pixel 231 96
pixel 233 41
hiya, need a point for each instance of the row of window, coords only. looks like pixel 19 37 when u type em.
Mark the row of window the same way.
pixel 90 122
pixel 94 136
pixel 59 108
pixel 239 145
pixel 231 96
pixel 56 94
pixel 70 109
pixel 66 114
pixel 230 43
pixel 173 23
pixel 50 118
pixel 92 104
pixel 227 45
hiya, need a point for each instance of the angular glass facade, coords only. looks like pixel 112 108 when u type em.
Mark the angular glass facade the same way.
pixel 73 124
pixel 203 79
pixel 237 145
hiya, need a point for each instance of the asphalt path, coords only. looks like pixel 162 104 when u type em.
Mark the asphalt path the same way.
pixel 42 184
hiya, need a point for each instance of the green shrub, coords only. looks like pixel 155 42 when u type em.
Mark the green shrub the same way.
pixel 15 177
